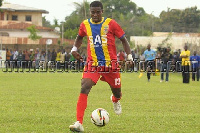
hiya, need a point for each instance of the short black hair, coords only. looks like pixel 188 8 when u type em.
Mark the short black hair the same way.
pixel 96 4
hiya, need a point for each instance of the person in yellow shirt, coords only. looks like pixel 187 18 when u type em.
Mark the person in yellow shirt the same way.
pixel 185 55
pixel 58 59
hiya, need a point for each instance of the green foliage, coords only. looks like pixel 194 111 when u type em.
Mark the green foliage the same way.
pixel 33 33
pixel 46 23
pixel 71 33
pixel 1 2
pixel 55 22
pixel 176 20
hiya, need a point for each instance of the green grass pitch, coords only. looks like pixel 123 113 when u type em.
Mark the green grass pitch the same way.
pixel 46 102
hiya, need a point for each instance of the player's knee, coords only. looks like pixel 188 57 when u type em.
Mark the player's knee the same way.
pixel 86 86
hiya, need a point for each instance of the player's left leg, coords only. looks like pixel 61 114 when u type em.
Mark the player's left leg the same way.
pixel 114 80
pixel 115 98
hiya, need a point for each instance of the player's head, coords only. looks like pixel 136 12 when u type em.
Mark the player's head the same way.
pixel 96 11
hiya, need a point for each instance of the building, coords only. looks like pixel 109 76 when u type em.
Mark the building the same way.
pixel 175 40
pixel 14 21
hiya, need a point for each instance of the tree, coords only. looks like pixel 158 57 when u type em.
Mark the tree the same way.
pixel 46 23
pixel 33 33
pixel 1 2
pixel 175 20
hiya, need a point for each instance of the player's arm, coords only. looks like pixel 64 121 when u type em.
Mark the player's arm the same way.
pixel 126 47
pixel 77 44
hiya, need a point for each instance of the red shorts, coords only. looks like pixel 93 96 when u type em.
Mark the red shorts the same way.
pixel 112 77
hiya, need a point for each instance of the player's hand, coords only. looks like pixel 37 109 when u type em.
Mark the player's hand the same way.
pixel 77 55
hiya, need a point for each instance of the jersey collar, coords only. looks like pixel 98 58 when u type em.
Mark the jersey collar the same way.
pixel 98 22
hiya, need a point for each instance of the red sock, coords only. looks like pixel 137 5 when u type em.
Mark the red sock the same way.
pixel 81 106
pixel 114 99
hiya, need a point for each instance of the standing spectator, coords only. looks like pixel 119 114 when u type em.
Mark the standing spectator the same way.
pixel 49 56
pixel 142 62
pixel 15 55
pixel 58 59
pixel 136 59
pixel 37 58
pixel 166 60
pixel 42 60
pixel 185 55
pixel 27 58
pixel 175 59
pixel 32 58
pixel 195 66
pixel 53 57
pixel 62 57
pixel 23 59
pixel 20 58
pixel 11 56
pixel 72 62
pixel 43 55
pixel 8 55
pixel 150 56
pixel 121 59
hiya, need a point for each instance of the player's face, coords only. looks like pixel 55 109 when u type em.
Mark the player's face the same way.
pixel 96 14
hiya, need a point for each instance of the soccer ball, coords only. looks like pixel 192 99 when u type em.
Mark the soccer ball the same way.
pixel 100 117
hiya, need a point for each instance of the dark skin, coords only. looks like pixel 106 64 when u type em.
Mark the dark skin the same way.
pixel 185 56
pixel 86 83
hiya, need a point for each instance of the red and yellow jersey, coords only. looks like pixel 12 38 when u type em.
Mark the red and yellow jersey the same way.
pixel 101 49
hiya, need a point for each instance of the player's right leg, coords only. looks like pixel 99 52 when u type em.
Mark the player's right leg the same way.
pixel 86 85
pixel 88 80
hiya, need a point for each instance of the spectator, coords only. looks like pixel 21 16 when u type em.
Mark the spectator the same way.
pixel 185 54
pixel 62 58
pixel 195 66
pixel 136 58
pixel 166 60
pixel 15 57
pixel 37 58
pixel 53 57
pixel 58 59
pixel 32 58
pixel 8 54
pixel 27 58
pixel 20 58
pixel 49 56
pixel 121 59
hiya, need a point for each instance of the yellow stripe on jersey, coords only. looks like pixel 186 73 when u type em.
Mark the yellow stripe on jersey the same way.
pixel 89 34
pixel 104 30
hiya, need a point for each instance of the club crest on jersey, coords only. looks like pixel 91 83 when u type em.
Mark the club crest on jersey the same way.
pixel 105 29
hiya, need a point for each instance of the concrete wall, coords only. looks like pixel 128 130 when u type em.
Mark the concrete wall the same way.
pixel 177 42
pixel 36 17
pixel 17 33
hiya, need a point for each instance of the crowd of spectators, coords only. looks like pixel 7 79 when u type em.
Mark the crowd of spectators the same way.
pixel 164 61
pixel 34 58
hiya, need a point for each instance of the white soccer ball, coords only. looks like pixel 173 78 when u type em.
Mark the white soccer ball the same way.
pixel 100 117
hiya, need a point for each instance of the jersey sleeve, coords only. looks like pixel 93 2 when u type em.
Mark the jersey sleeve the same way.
pixel 82 30
pixel 116 28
